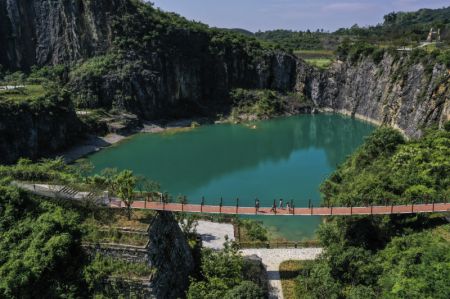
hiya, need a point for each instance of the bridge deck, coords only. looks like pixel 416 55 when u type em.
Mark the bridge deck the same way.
pixel 319 211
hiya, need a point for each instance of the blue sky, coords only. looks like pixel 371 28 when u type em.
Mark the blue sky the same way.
pixel 291 14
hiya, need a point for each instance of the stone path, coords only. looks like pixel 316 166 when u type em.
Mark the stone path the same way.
pixel 272 258
pixel 213 234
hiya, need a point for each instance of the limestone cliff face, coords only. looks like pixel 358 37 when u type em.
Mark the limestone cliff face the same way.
pixel 33 130
pixel 181 85
pixel 395 92
pixel 40 32
pixel 170 254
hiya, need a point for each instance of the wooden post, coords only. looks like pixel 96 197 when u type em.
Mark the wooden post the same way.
pixel 309 203
pixel 293 208
pixel 351 210
pixel 237 205
pixel 432 209
pixel 392 207
pixel 220 205
pixel 201 204
pixel 371 209
pixel 331 210
pixel 312 206
pixel 412 207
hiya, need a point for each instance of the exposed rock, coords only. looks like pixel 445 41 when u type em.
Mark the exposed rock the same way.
pixel 395 92
pixel 170 254
pixel 41 32
pixel 33 130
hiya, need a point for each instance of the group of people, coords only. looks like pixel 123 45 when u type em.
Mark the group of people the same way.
pixel 289 205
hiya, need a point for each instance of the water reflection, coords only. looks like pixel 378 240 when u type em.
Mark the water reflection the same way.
pixel 287 157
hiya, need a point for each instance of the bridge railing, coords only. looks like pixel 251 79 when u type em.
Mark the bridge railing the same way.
pixel 279 244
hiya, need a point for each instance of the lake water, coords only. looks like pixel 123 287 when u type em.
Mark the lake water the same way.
pixel 281 158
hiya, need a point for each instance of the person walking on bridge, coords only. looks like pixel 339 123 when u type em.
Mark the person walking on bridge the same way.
pixel 281 203
pixel 257 205
pixel 274 206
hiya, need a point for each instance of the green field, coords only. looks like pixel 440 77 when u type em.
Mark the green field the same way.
pixel 318 58
pixel 29 92
pixel 311 54
pixel 322 63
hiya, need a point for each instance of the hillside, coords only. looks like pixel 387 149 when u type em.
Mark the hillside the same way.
pixel 398 28
pixel 398 256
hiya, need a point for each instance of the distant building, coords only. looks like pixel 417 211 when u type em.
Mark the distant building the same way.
pixel 435 34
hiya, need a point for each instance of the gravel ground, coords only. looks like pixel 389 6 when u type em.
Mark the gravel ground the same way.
pixel 213 234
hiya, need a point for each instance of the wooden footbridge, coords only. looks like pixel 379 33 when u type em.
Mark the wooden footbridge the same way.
pixel 64 192
pixel 287 211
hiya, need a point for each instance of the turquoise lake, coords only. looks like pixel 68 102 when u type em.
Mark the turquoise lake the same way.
pixel 281 158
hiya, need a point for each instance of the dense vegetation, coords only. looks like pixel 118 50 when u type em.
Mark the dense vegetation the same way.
pixel 40 248
pixel 225 274
pixel 385 256
pixel 264 104
pixel 398 29
pixel 41 240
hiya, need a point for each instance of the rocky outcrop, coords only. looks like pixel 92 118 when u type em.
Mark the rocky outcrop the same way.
pixel 397 91
pixel 167 253
pixel 32 129
pixel 41 32
pixel 171 256
pixel 181 84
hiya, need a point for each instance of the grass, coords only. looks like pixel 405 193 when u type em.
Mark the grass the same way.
pixel 118 268
pixel 314 53
pixel 318 58
pixel 289 271
pixel 29 92
pixel 95 235
pixel 443 231
pixel 117 218
pixel 322 63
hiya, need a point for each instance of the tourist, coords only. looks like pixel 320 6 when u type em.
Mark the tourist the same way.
pixel 257 205
pixel 281 203
pixel 274 206
pixel 288 206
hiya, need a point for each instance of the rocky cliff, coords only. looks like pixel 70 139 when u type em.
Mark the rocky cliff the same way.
pixel 41 32
pixel 170 254
pixel 36 128
pixel 398 91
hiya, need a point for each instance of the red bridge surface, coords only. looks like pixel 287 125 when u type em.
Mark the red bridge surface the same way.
pixel 319 211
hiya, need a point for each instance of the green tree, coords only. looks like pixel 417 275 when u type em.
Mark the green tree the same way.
pixel 245 290
pixel 126 182
pixel 40 248
pixel 223 276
